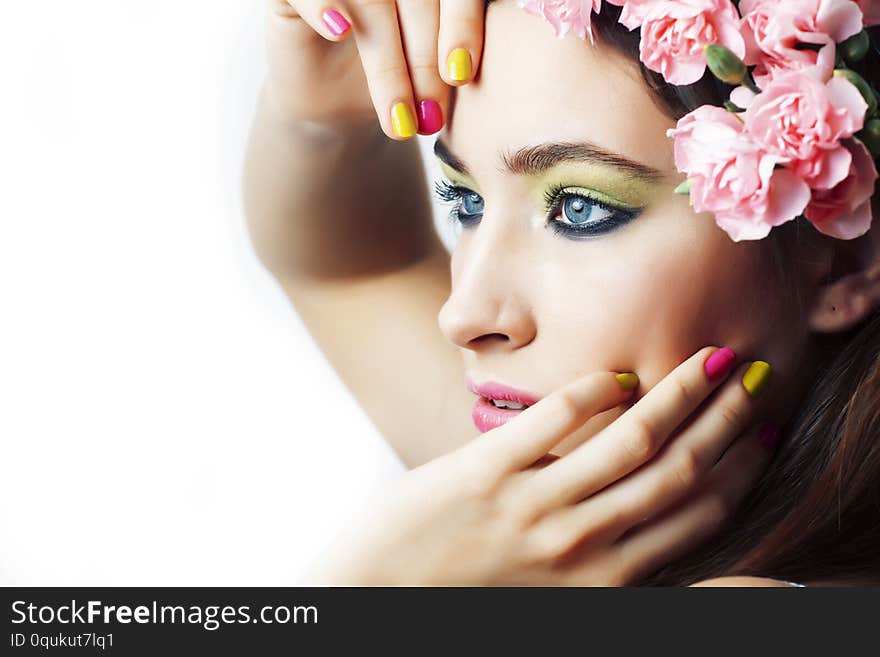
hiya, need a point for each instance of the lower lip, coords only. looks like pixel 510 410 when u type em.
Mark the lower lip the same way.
pixel 487 416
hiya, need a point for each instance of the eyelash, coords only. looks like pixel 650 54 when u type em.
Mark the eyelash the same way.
pixel 553 200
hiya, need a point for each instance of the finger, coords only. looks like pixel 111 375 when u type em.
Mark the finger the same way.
pixel 523 440
pixel 542 462
pixel 462 31
pixel 419 24
pixel 685 526
pixel 634 437
pixel 328 20
pixel 590 428
pixel 378 38
pixel 675 472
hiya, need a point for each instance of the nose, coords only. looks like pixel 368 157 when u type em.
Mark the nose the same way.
pixel 488 308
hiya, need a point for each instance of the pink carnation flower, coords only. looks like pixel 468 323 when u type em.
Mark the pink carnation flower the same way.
pixel 775 29
pixel 634 11
pixel 733 177
pixel 844 211
pixel 802 119
pixel 674 33
pixel 871 11
pixel 565 15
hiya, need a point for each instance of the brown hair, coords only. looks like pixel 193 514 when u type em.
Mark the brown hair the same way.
pixel 815 513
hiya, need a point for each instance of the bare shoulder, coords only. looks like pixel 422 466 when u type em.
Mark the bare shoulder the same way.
pixel 742 580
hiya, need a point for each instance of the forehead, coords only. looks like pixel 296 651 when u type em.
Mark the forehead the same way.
pixel 535 87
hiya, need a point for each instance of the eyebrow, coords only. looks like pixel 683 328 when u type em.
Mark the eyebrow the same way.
pixel 535 160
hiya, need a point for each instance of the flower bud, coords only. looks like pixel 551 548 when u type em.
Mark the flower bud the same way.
pixel 862 86
pixel 855 48
pixel 870 136
pixel 724 64
pixel 684 188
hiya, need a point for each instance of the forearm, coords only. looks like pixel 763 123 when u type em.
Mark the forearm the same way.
pixel 327 202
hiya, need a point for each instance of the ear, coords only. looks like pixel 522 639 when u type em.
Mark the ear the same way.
pixel 851 291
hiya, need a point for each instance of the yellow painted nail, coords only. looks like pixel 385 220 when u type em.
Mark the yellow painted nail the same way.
pixel 756 377
pixel 402 120
pixel 628 380
pixel 458 64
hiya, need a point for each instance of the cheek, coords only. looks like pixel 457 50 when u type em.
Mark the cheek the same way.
pixel 649 309
pixel 710 291
pixel 649 303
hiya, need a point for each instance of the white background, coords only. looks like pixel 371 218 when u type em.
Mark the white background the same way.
pixel 165 419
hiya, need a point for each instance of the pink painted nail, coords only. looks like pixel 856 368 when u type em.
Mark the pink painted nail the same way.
pixel 719 363
pixel 769 435
pixel 430 116
pixel 335 22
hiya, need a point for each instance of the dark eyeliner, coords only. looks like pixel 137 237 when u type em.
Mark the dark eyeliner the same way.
pixel 554 198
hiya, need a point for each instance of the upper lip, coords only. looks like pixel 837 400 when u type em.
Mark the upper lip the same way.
pixel 495 390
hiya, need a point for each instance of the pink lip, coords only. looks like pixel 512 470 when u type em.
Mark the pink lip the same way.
pixel 485 415
pixel 493 390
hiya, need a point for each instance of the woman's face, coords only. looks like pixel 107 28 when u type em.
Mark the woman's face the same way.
pixel 651 284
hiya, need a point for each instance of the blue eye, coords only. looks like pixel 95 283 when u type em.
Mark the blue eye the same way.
pixel 472 204
pixel 579 210
pixel 468 204
pixel 581 216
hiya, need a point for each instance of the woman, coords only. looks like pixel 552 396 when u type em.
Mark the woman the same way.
pixel 663 492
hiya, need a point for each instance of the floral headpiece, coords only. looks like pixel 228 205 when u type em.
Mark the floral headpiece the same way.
pixel 800 131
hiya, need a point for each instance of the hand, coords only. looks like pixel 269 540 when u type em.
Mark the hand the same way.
pixel 392 57
pixel 499 511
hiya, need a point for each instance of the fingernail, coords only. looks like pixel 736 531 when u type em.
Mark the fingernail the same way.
pixel 402 121
pixel 719 363
pixel 756 377
pixel 769 435
pixel 430 116
pixel 628 380
pixel 458 64
pixel 335 22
